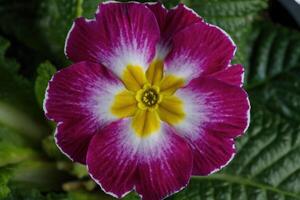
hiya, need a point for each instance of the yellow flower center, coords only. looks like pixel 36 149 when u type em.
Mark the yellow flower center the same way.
pixel 149 98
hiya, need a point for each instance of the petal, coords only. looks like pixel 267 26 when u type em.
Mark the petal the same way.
pixel 122 34
pixel 164 168
pixel 112 159
pixel 200 49
pixel 171 22
pixel 160 13
pixel 170 84
pixel 170 110
pixel 82 42
pixel 211 153
pixel 215 114
pixel 233 75
pixel 145 122
pixel 124 104
pixel 155 72
pixel 79 98
pixel 215 107
pixel 73 138
pixel 133 78
pixel 156 166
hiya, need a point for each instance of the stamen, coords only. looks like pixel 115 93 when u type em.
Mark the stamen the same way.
pixel 150 97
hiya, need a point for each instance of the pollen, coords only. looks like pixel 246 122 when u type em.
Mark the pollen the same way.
pixel 150 97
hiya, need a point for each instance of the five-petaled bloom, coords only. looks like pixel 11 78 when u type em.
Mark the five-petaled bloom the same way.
pixel 151 100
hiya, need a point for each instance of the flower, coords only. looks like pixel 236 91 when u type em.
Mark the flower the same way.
pixel 150 100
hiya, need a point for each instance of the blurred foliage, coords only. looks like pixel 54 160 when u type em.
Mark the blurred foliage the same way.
pixel 44 74
pixel 267 165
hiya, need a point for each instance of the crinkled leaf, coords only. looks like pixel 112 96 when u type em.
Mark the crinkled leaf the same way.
pixel 274 50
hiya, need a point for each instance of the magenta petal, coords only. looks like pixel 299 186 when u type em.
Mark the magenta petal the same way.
pixel 233 75
pixel 160 13
pixel 78 98
pixel 156 166
pixel 215 107
pixel 82 42
pixel 178 19
pixel 121 34
pixel 211 153
pixel 73 138
pixel 171 22
pixel 165 169
pixel 216 114
pixel 198 50
pixel 112 159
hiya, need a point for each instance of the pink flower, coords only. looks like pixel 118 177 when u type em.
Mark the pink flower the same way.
pixel 151 100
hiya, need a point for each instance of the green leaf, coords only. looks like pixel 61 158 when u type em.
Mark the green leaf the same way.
pixel 231 15
pixel 79 170
pixel 39 174
pixel 11 154
pixel 18 108
pixel 33 194
pixel 51 149
pixel 79 195
pixel 132 196
pixel 267 165
pixel 5 174
pixel 274 50
pixel 50 21
pixel 44 74
pixel 13 86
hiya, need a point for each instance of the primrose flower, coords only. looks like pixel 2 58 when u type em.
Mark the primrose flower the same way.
pixel 150 100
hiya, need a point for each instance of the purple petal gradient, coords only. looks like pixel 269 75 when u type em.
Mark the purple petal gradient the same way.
pixel 156 167
pixel 200 49
pixel 233 75
pixel 171 22
pixel 217 112
pixel 78 98
pixel 211 153
pixel 121 34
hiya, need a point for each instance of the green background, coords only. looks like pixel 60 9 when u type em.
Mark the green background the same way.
pixel 267 165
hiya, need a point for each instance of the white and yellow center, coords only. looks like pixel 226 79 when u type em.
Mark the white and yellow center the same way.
pixel 149 98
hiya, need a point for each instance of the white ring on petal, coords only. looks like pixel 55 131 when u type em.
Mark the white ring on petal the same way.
pixel 222 166
pixel 227 35
pixel 46 98
pixel 56 141
pixel 67 39
pixel 248 115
